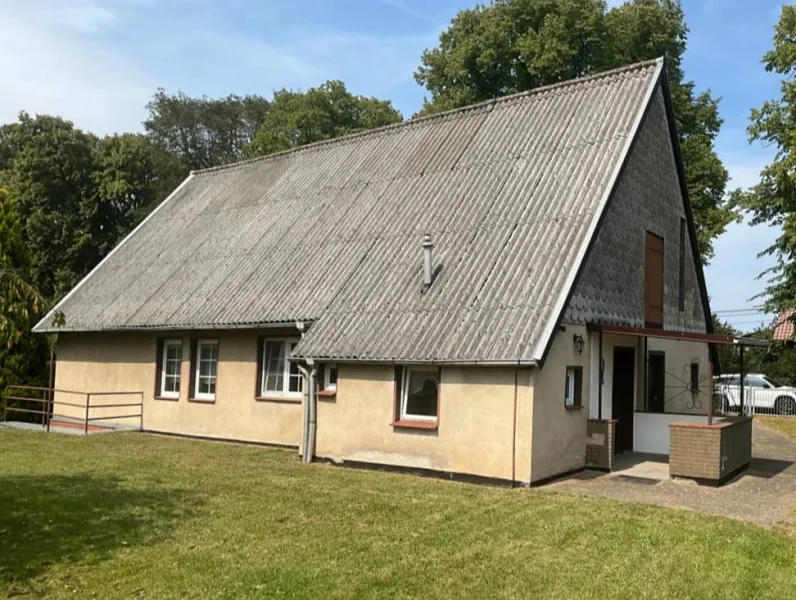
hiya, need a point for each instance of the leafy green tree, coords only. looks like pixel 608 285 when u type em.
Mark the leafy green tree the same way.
pixel 20 302
pixel 204 132
pixel 23 356
pixel 773 199
pixel 49 177
pixel 511 46
pixel 321 113
pixel 131 175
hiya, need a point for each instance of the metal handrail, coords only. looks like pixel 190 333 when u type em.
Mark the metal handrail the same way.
pixel 49 401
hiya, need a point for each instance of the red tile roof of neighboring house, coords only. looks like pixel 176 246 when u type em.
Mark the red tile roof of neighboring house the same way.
pixel 783 329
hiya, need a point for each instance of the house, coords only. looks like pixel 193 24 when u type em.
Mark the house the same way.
pixel 508 291
pixel 783 326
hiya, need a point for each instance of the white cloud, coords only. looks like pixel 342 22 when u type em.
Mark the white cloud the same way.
pixel 57 68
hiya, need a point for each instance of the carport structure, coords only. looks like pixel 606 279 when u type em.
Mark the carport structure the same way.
pixel 662 403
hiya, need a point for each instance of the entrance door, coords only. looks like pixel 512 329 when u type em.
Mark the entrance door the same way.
pixel 656 382
pixel 624 379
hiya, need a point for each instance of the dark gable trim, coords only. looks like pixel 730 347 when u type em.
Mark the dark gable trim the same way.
pixel 625 159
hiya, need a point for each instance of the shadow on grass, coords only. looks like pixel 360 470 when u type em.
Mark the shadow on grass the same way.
pixel 79 519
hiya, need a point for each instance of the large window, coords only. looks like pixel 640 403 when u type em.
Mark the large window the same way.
pixel 279 376
pixel 206 368
pixel 419 398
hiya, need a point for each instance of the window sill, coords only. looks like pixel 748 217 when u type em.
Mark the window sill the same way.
pixel 279 399
pixel 327 393
pixel 408 424
pixel 202 400
pixel 574 407
pixel 168 398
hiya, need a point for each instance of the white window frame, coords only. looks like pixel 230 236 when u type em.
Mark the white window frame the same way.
pixel 327 380
pixel 196 393
pixel 406 416
pixel 164 358
pixel 285 392
pixel 569 388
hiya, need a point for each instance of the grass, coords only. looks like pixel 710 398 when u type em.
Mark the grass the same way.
pixel 135 516
pixel 786 425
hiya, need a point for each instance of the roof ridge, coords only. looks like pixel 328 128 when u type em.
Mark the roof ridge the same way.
pixel 484 104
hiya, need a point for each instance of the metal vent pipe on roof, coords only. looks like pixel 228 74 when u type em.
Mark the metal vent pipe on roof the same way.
pixel 428 246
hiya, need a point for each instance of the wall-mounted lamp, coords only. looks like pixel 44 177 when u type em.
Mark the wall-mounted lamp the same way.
pixel 579 342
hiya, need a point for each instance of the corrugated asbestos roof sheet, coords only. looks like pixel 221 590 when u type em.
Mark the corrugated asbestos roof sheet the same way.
pixel 331 232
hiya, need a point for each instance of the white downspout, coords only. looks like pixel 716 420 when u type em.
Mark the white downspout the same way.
pixel 310 416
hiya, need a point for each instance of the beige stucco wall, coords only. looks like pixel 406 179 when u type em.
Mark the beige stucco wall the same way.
pixel 476 427
pixel 105 362
pixel 559 435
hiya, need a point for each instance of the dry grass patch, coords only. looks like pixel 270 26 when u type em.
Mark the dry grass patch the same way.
pixel 786 425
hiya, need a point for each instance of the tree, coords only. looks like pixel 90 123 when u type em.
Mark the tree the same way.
pixel 49 178
pixel 773 199
pixel 515 45
pixel 321 113
pixel 204 132
pixel 23 356
pixel 20 302
pixel 131 175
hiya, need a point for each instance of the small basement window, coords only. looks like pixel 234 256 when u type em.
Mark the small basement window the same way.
pixel 573 387
pixel 170 367
pixel 279 376
pixel 206 369
pixel 330 378
pixel 420 398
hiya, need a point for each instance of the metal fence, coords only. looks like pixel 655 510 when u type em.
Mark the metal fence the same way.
pixel 756 401
pixel 41 403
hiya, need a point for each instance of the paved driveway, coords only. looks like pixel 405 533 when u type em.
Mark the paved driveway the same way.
pixel 764 494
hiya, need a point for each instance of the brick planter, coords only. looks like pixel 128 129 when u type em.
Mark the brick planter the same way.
pixel 600 436
pixel 710 454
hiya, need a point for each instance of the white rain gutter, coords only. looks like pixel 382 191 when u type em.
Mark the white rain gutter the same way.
pixel 310 413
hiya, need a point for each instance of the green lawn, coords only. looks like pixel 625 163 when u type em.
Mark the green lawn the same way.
pixel 786 425
pixel 137 516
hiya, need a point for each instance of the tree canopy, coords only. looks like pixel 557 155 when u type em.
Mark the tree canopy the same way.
pixel 204 132
pixel 321 113
pixel 773 199
pixel 515 45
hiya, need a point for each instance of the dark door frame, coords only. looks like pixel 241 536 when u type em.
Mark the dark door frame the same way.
pixel 623 406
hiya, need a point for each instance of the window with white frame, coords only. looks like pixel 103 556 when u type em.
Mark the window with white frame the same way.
pixel 419 398
pixel 170 366
pixel 279 376
pixel 206 369
pixel 572 387
pixel 330 378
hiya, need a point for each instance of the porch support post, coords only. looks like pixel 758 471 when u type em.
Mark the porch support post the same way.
pixel 742 381
pixel 600 375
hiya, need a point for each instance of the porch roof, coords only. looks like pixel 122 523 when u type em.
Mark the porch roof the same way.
pixel 691 336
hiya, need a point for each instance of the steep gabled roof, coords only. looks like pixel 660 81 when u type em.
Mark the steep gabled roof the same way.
pixel 510 190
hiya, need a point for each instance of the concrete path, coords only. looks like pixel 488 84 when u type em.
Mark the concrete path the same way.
pixel 764 494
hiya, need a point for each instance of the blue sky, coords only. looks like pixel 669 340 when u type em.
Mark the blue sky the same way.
pixel 98 62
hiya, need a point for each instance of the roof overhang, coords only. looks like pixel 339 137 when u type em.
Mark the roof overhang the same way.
pixel 685 336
